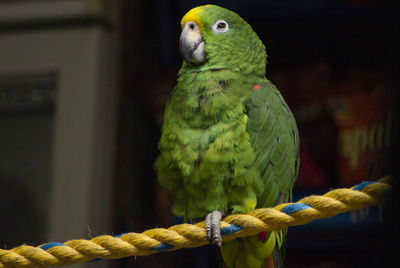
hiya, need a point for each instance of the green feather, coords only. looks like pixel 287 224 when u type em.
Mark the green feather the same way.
pixel 226 145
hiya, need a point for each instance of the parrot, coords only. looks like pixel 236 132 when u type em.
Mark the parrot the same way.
pixel 229 142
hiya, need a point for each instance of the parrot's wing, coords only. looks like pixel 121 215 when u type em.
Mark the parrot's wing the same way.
pixel 275 140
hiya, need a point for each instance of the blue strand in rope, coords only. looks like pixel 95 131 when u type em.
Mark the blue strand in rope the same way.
pixel 51 245
pixel 163 247
pixel 230 230
pixel 362 185
pixel 292 208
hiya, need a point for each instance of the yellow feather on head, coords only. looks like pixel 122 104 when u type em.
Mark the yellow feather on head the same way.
pixel 193 15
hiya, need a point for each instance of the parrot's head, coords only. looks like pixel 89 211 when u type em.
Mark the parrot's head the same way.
pixel 216 38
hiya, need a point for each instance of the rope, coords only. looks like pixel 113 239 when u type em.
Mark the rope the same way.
pixel 188 236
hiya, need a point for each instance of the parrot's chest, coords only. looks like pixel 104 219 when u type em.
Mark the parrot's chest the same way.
pixel 207 160
pixel 220 151
pixel 203 150
pixel 215 168
pixel 206 132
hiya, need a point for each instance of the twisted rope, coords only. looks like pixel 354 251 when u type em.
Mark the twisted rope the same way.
pixel 188 236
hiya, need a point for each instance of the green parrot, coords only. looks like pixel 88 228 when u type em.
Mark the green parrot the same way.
pixel 229 141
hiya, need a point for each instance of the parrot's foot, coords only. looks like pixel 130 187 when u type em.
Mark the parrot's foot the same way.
pixel 213 228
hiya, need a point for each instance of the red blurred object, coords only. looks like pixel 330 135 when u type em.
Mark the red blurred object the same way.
pixel 364 115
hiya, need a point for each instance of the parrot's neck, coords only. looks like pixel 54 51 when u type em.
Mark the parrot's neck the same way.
pixel 209 97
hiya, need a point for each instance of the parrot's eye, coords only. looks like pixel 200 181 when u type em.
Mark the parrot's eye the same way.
pixel 220 26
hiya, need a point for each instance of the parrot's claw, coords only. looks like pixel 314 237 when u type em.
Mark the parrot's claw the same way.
pixel 213 228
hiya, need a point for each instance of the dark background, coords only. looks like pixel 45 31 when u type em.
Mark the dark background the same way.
pixel 337 65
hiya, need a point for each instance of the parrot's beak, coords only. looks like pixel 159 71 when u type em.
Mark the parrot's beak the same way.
pixel 191 44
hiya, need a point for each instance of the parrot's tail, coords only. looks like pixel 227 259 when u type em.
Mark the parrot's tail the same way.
pixel 278 255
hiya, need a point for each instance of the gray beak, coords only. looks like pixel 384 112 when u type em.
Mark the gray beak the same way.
pixel 191 44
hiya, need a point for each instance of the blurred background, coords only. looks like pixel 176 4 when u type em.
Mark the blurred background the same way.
pixel 83 85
